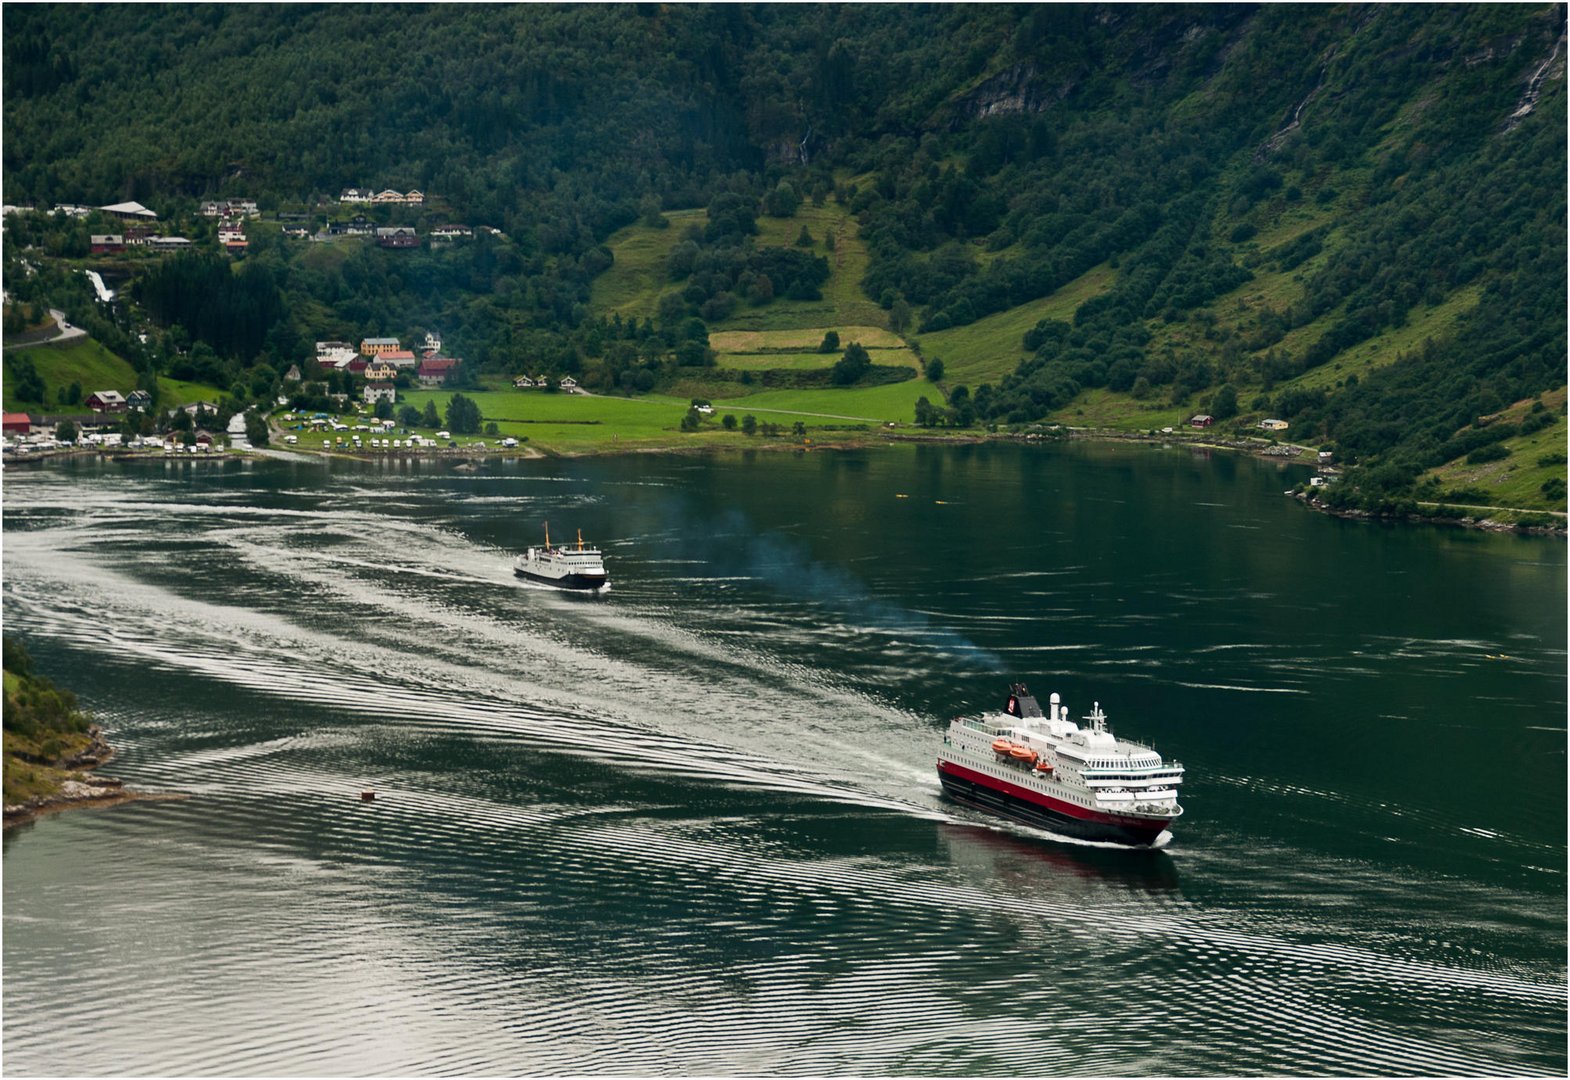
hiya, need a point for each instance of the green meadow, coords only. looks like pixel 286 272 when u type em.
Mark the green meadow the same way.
pixel 87 363
pixel 990 348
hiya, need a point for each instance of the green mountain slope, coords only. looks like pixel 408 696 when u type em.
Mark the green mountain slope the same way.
pixel 1351 218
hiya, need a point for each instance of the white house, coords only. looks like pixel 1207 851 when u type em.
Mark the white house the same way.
pixel 380 391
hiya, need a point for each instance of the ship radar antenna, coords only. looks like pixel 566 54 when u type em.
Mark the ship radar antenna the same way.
pixel 1097 718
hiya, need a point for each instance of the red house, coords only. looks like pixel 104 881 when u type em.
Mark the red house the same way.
pixel 358 364
pixel 103 245
pixel 106 401
pixel 434 371
pixel 1202 420
pixel 18 423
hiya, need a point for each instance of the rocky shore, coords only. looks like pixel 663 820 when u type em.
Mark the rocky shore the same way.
pixel 79 787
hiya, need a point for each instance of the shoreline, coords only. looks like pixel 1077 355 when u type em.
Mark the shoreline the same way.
pixel 81 788
pixel 1286 453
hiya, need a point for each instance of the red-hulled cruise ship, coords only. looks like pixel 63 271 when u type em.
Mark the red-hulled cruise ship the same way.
pixel 1045 770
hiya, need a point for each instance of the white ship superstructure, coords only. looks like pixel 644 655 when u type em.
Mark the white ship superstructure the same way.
pixel 1046 770
pixel 580 567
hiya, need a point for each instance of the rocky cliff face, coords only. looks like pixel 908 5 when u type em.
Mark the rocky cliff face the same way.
pixel 1017 89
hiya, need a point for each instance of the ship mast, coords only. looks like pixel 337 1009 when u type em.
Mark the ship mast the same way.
pixel 547 536
pixel 580 539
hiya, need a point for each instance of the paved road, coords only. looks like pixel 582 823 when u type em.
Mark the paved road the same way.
pixel 64 332
pixel 1514 509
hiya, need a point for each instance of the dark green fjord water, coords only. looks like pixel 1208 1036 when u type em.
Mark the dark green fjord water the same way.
pixel 693 826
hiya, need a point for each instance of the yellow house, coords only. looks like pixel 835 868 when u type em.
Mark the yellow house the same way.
pixel 375 346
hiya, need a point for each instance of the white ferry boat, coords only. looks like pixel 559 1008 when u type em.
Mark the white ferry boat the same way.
pixel 566 568
pixel 1047 771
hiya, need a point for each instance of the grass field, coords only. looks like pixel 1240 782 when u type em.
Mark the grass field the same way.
pixel 807 361
pixel 993 347
pixel 82 361
pixel 87 362
pixel 749 341
pixel 871 404
pixel 1517 480
pixel 638 278
pixel 1423 322
pixel 576 422
pixel 811 361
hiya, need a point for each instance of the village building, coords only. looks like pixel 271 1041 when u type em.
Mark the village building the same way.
pixel 380 391
pixel 129 211
pixel 168 243
pixel 232 237
pixel 140 400
pixel 397 236
pixel 375 346
pixel 103 245
pixel 569 384
pixel 106 401
pixel 18 423
pixel 1201 420
pixel 380 370
pixel 354 195
pixel 434 372
pixel 399 358
pixel 231 208
pixel 359 225
pixel 451 232
pixel 197 408
pixel 204 438
pixel 523 382
pixel 1274 425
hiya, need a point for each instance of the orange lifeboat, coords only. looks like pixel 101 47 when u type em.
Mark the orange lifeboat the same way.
pixel 1043 766
pixel 1002 745
pixel 1023 754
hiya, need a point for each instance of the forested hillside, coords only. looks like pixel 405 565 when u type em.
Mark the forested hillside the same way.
pixel 1350 218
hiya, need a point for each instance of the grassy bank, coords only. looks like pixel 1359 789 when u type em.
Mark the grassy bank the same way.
pixel 43 729
pixel 91 366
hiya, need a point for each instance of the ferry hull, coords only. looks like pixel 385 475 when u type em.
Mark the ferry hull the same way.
pixel 984 793
pixel 586 582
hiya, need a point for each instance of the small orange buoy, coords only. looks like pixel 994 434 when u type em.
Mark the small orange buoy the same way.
pixel 367 796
